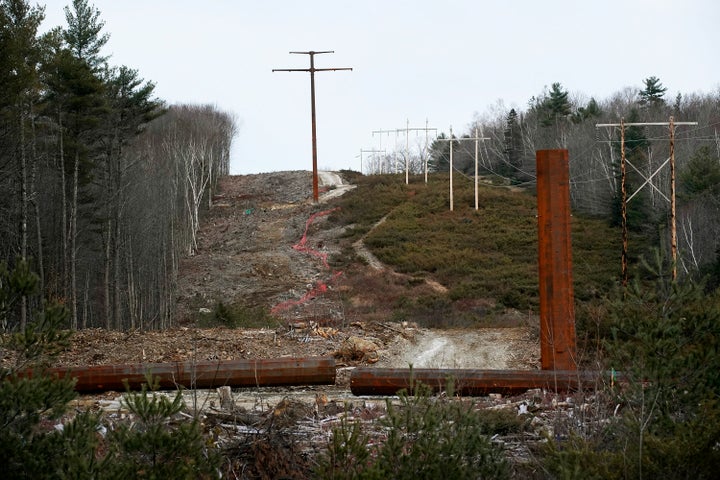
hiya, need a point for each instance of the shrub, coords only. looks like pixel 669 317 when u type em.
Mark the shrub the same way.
pixel 424 438
pixel 666 341
pixel 30 406
pixel 33 442
pixel 158 445
pixel 238 316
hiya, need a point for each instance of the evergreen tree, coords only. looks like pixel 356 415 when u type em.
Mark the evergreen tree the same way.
pixel 559 104
pixel 29 446
pixel 158 444
pixel 664 339
pixel 19 87
pixel 701 175
pixel 591 110
pixel 33 442
pixel 440 153
pixel 556 105
pixel 130 107
pixel 677 107
pixel 513 140
pixel 82 34
pixel 652 94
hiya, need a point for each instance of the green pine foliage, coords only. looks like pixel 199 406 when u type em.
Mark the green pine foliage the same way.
pixel 31 402
pixel 425 438
pixel 37 440
pixel 237 315
pixel 440 153
pixel 665 340
pixel 701 175
pixel 159 444
pixel 588 112
pixel 652 94
pixel 556 106
pixel 513 148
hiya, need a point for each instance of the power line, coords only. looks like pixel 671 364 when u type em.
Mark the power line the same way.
pixel 671 124
pixel 407 131
pixel 381 131
pixel 312 71
pixel 367 151
pixel 451 140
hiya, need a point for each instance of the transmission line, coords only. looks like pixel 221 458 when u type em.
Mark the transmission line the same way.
pixel 312 71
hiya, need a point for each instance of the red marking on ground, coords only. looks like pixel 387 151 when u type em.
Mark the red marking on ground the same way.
pixel 302 246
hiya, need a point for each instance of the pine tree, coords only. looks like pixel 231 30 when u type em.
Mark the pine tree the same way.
pixel 158 445
pixel 513 141
pixel 19 87
pixel 701 175
pixel 440 153
pixel 591 110
pixel 29 446
pixel 35 445
pixel 556 105
pixel 652 94
pixel 75 97
pixel 665 341
pixel 83 33
pixel 130 107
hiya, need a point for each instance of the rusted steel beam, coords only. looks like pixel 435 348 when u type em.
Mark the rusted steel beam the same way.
pixel 206 374
pixel 470 382
pixel 557 312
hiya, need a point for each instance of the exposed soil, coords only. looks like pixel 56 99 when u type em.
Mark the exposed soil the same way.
pixel 259 247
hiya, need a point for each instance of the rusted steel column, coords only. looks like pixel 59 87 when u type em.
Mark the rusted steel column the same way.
pixel 388 381
pixel 557 312
pixel 207 374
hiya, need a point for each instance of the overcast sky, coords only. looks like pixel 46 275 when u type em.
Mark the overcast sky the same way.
pixel 440 61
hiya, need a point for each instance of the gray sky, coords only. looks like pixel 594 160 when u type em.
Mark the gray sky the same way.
pixel 444 61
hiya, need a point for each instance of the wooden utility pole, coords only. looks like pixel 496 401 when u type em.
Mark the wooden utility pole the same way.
pixel 407 131
pixel 451 170
pixel 367 151
pixel 623 161
pixel 427 154
pixel 381 131
pixel 312 71
pixel 623 207
pixel 451 164
pixel 477 139
pixel 673 227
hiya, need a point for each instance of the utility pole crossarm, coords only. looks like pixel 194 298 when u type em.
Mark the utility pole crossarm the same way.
pixel 313 52
pixel 312 71
pixel 476 139
pixel 362 150
pixel 648 180
pixel 643 124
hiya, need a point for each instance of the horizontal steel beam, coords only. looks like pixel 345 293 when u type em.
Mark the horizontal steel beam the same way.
pixel 470 382
pixel 206 374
